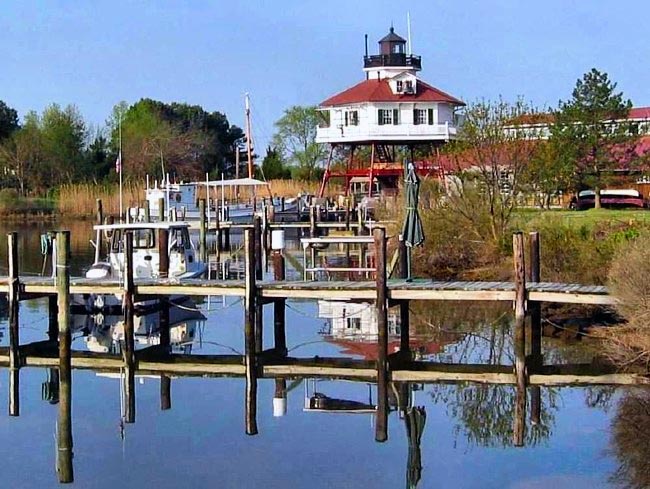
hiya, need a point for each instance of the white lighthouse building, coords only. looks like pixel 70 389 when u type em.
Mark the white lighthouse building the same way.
pixel 391 107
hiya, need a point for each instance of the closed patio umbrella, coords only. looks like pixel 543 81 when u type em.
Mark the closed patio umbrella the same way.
pixel 412 232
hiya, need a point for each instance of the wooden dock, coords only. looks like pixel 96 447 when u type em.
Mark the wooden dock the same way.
pixel 398 289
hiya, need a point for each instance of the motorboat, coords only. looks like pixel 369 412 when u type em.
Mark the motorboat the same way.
pixel 183 258
pixel 181 200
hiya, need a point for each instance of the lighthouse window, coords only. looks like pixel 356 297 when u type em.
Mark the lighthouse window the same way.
pixel 419 116
pixel 388 116
pixel 351 118
pixel 399 85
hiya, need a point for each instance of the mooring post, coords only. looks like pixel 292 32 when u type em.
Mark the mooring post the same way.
pixel 161 210
pixel 203 236
pixel 359 220
pixel 535 328
pixel 313 233
pixel 381 426
pixel 259 273
pixel 520 274
pixel 99 219
pixel 165 380
pixel 52 324
pixel 519 422
pixel 128 352
pixel 404 338
pixel 279 330
pixel 64 427
pixel 147 211
pixel 250 360
pixel 163 253
pixel 14 323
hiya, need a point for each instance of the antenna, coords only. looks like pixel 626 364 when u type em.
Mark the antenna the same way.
pixel 366 36
pixel 408 28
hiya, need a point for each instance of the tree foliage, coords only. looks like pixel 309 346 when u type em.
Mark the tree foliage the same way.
pixel 180 139
pixel 273 167
pixel 488 161
pixel 295 138
pixel 8 120
pixel 592 130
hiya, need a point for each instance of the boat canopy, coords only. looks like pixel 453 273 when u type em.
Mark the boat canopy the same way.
pixel 240 182
pixel 142 225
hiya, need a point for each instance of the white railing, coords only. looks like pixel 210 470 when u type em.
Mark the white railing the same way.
pixel 385 132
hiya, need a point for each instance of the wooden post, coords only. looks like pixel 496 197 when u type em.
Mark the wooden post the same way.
pixel 360 226
pixel 64 467
pixel 14 323
pixel 165 381
pixel 519 422
pixel 313 233
pixel 203 236
pixel 282 204
pixel 147 211
pixel 99 220
pixel 161 210
pixel 52 324
pixel 259 273
pixel 279 330
pixel 163 252
pixel 381 426
pixel 535 329
pixel 249 334
pixel 128 352
pixel 64 431
pixel 520 274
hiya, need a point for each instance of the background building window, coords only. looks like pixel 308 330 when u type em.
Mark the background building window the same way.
pixel 388 116
pixel 351 117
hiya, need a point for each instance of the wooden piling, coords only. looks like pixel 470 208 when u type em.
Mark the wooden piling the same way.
pixel 313 233
pixel 147 211
pixel 259 274
pixel 520 274
pixel 14 323
pixel 404 337
pixel 203 236
pixel 519 422
pixel 250 299
pixel 52 323
pixel 99 219
pixel 163 252
pixel 381 426
pixel 161 210
pixel 128 351
pixel 165 340
pixel 279 329
pixel 64 431
pixel 535 308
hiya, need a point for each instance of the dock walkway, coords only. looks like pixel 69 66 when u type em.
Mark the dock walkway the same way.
pixel 398 289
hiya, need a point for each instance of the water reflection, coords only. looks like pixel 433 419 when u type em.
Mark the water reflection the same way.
pixel 630 440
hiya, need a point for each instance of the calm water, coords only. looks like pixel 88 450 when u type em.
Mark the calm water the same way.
pixel 587 437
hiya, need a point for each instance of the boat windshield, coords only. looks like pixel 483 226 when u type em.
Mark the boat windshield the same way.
pixel 142 239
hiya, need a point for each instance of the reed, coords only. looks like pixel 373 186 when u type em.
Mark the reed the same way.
pixel 291 188
pixel 79 200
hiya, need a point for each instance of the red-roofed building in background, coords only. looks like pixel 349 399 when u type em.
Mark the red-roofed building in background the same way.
pixel 391 108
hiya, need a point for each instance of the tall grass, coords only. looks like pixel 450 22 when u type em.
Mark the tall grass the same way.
pixel 80 200
pixel 291 188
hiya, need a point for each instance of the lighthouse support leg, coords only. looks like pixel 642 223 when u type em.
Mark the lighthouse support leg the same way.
pixel 326 175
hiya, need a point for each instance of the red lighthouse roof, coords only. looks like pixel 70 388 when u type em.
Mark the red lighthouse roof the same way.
pixel 380 91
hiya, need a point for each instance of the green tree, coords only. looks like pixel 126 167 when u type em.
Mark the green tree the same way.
pixel 489 159
pixel 8 120
pixel 591 128
pixel 273 167
pixel 295 138
pixel 64 137
pixel 549 171
pixel 23 156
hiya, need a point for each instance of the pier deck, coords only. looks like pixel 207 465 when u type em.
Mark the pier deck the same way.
pixel 399 289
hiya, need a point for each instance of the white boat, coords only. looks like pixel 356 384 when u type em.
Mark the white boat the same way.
pixel 183 258
pixel 181 200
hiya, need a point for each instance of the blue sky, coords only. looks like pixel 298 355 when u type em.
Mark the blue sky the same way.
pixel 94 54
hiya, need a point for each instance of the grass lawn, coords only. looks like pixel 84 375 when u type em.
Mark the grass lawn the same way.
pixel 588 217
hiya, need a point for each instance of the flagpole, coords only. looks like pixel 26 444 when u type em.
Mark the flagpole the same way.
pixel 120 158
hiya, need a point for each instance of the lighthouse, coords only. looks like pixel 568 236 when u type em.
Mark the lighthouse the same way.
pixel 390 110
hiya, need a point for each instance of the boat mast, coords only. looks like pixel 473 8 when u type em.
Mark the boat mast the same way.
pixel 249 146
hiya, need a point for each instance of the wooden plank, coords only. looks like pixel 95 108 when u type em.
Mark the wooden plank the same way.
pixel 566 298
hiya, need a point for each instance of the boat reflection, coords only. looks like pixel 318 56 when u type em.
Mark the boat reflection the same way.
pixel 104 333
